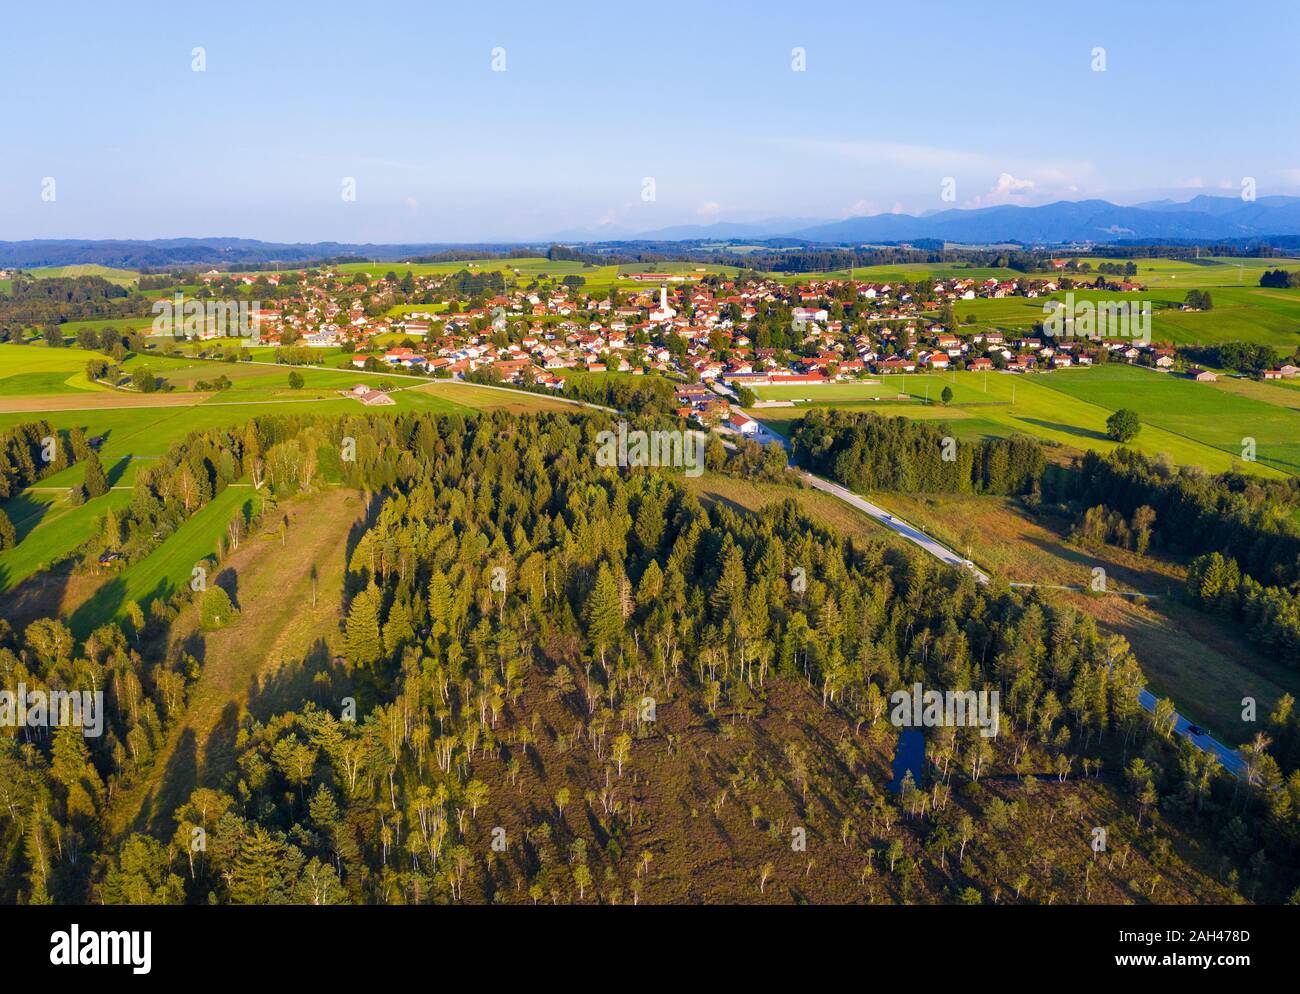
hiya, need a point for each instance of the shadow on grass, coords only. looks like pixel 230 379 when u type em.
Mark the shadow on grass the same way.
pixel 1067 429
pixel 314 678
pixel 177 782
pixel 26 513
pixel 108 600
pixel 118 470
pixel 228 580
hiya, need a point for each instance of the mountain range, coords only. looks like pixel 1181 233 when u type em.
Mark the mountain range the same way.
pixel 1066 221
pixel 1202 219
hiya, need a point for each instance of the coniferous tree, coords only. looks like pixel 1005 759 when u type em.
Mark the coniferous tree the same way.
pixel 363 642
pixel 96 483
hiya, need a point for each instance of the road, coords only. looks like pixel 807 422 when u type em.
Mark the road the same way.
pixel 1229 757
pixel 1231 760
pixel 914 535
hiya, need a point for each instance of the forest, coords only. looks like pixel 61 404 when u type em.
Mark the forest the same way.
pixel 555 682
pixel 866 451
pixel 1239 530
pixel 1196 512
pixel 67 298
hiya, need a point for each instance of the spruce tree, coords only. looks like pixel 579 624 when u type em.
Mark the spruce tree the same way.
pixel 96 484
pixel 8 535
pixel 604 618
pixel 364 646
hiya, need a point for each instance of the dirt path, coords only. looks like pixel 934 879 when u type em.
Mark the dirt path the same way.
pixel 264 662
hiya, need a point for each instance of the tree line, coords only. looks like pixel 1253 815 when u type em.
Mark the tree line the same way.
pixel 866 451
pixel 1237 514
pixel 1251 358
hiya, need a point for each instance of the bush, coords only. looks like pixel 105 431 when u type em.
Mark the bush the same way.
pixel 216 611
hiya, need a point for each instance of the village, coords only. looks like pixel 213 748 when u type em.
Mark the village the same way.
pixel 714 335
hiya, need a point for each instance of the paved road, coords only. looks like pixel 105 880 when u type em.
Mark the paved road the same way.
pixel 1229 757
pixel 915 535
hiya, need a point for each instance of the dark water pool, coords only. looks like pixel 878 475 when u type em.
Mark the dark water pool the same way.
pixel 910 755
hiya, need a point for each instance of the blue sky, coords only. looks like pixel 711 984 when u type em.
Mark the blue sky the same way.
pixel 596 97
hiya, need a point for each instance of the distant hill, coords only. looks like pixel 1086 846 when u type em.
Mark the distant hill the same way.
pixel 164 252
pixel 1203 219
pixel 1208 218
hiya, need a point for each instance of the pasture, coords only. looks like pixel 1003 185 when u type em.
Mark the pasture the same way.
pixel 1192 423
pixel 49 529
pixel 1192 274
pixel 169 567
pixel 1199 411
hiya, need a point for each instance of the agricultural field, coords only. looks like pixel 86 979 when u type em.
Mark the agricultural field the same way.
pixel 1192 423
pixel 523 271
pixel 1253 314
pixel 1021 313
pixel 1188 274
pixel 1191 410
pixel 34 369
pixel 139 428
pixel 907 272
pixel 136 435
pixel 1246 314
pixel 123 277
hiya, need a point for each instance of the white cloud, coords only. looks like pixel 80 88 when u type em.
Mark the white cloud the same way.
pixel 1007 190
pixel 708 209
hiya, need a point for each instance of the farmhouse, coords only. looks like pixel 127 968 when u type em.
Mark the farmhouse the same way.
pixel 371 397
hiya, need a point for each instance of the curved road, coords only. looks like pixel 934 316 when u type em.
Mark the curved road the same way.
pixel 914 535
pixel 1231 760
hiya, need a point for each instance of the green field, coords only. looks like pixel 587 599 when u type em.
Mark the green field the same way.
pixel 524 271
pixel 1192 410
pixel 1185 274
pixel 35 369
pixel 1253 314
pixel 124 277
pixel 1193 423
pixel 137 434
pixel 49 528
pixel 36 382
pixel 168 568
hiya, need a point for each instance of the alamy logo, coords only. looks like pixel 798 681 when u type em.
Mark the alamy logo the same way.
pixel 192 318
pixel 919 708
pixel 1100 319
pixel 634 447
pixel 53 709
pixel 77 948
